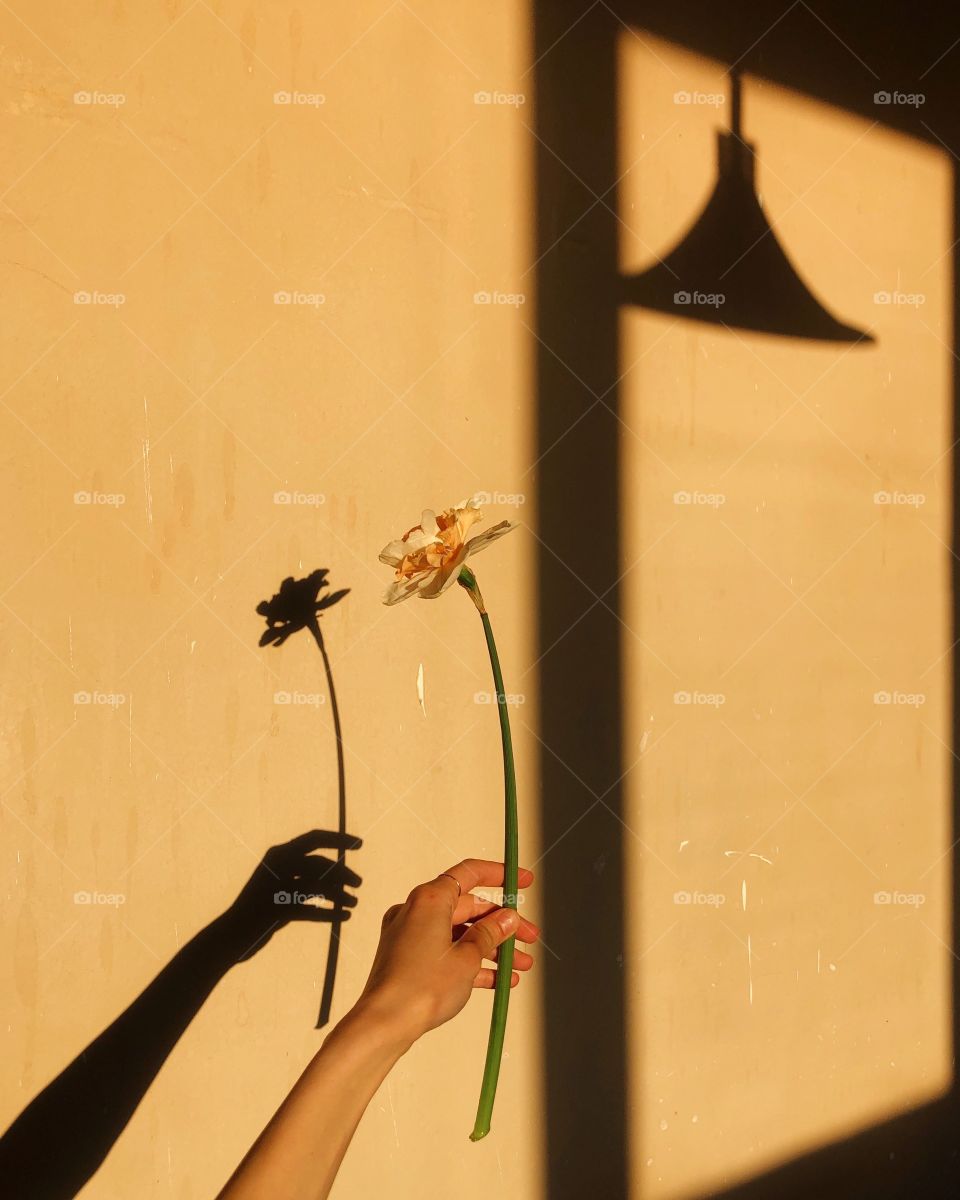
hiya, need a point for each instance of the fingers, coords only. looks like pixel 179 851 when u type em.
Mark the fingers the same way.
pixel 486 977
pixel 471 907
pixel 483 872
pixel 482 938
pixel 521 960
pixel 428 909
pixel 317 878
pixel 314 912
pixel 321 839
pixel 335 874
pixel 440 903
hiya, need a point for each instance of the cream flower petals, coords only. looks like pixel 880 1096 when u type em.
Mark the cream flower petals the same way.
pixel 428 558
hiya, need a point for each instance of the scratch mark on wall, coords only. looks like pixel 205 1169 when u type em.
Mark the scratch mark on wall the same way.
pixel 750 968
pixel 750 854
pixel 393 1114
pixel 147 487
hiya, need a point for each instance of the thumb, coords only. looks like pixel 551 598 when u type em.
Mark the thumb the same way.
pixel 483 937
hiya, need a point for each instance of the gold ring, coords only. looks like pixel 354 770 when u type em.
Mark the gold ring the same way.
pixel 447 875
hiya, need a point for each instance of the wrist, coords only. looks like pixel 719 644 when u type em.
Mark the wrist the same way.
pixel 232 935
pixel 384 1025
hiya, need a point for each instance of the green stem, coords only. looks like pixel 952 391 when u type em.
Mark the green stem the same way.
pixel 501 991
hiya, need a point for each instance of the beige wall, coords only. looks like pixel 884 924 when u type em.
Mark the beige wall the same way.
pixel 793 1014
pixel 398 198
pixel 789 1010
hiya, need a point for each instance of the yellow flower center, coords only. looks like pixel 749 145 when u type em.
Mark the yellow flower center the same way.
pixel 452 527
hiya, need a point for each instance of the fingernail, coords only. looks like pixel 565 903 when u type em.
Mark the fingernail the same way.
pixel 508 920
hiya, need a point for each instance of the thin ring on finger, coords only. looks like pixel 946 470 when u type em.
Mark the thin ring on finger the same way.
pixel 447 875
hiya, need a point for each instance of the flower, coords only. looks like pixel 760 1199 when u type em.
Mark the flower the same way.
pixel 428 558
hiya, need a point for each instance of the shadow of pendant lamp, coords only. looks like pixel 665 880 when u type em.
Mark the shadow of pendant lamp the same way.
pixel 731 251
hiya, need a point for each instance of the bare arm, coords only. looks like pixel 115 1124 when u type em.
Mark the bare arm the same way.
pixel 431 955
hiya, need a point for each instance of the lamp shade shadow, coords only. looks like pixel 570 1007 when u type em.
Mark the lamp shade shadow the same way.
pixel 729 268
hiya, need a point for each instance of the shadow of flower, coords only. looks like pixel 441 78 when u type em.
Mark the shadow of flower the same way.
pixel 295 606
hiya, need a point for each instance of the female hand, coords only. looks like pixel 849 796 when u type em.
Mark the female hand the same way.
pixel 433 947
pixel 431 954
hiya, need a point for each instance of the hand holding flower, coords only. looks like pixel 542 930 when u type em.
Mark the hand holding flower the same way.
pixel 431 955
pixel 433 947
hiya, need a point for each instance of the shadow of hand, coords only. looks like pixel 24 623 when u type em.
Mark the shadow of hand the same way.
pixel 90 1102
pixel 293 884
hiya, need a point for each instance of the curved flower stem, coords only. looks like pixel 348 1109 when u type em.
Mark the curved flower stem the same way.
pixel 333 951
pixel 501 992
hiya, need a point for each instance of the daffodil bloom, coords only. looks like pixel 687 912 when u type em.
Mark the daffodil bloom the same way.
pixel 428 558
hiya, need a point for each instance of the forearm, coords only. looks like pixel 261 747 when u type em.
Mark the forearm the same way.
pixel 298 1154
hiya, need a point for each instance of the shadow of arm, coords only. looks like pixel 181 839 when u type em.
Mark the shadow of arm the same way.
pixel 61 1138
